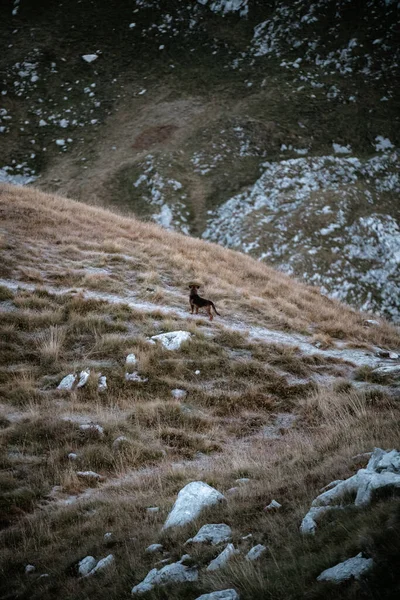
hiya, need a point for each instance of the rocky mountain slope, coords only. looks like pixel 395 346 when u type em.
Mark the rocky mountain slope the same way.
pixel 115 401
pixel 268 127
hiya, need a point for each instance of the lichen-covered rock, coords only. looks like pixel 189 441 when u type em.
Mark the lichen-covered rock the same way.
pixel 173 339
pixel 221 595
pixel 191 500
pixel 353 567
pixel 175 573
pixel 213 534
pixel 221 560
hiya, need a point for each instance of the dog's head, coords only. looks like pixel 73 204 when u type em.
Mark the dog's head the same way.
pixel 194 287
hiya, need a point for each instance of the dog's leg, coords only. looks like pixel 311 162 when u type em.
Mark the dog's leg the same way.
pixel 197 310
pixel 208 309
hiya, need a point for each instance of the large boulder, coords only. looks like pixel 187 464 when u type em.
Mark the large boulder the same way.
pixel 382 472
pixel 191 500
pixel 173 339
pixel 353 567
pixel 175 573
pixel 212 534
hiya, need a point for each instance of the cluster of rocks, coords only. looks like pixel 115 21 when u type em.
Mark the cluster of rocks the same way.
pixel 382 473
pixel 73 381
pixel 89 566
pixel 190 502
pixel 171 341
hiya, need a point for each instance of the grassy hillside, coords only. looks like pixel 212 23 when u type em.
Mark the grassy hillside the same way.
pixel 191 111
pixel 284 389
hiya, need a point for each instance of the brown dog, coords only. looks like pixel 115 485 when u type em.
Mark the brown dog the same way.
pixel 197 302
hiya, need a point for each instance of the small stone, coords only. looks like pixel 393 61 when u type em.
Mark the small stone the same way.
pixel 102 386
pixel 83 378
pixel 172 340
pixel 213 534
pixel 67 382
pixel 89 58
pixel 178 394
pixel 221 595
pixel 273 505
pixel 221 560
pixel 371 322
pixel 256 552
pixel 72 456
pixel 119 441
pixel 151 510
pixel 394 355
pixel 107 536
pixel 103 564
pixel 90 475
pixel 30 569
pixel 135 377
pixel 175 573
pixel 242 480
pixel 131 359
pixel 353 567
pixel 197 372
pixel 247 537
pixel 86 565
pixel 154 548
pixel 92 428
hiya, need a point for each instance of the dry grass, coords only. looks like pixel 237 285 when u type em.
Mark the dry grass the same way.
pixel 234 388
pixel 175 259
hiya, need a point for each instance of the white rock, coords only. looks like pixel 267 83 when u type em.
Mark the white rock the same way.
pixel 178 394
pixel 89 58
pixel 135 377
pixel 67 382
pixel 131 359
pixel 247 537
pixel 152 509
pixel 107 536
pixel 102 383
pixel 191 500
pixel 197 372
pixel 242 480
pixel 83 378
pixel 394 355
pixel 331 485
pixel 353 567
pixel 175 573
pixel 273 505
pixel 154 548
pixel 383 471
pixel 213 534
pixel 103 564
pixel 89 475
pixel 371 322
pixel 388 370
pixel 256 552
pixel 30 569
pixel 222 595
pixel 86 565
pixel 222 558
pixel 172 340
pixel 92 428
pixel 72 456
pixel 117 443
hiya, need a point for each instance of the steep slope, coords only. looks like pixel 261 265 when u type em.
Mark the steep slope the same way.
pixel 281 118
pixel 272 400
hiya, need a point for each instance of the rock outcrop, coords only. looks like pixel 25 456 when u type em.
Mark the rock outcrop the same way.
pixel 382 472
pixel 353 567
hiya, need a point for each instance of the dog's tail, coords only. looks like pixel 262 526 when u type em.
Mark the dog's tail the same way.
pixel 213 305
